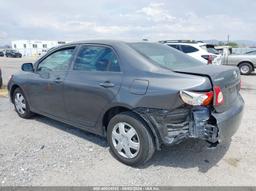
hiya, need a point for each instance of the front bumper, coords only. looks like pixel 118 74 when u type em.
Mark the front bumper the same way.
pixel 172 127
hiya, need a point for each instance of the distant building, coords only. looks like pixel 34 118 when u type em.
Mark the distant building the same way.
pixel 34 47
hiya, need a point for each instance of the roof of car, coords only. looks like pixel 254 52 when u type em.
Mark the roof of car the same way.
pixel 109 42
pixel 200 43
pixel 181 41
pixel 104 42
pixel 112 43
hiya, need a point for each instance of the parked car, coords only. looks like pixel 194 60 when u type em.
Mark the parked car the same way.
pixel 13 54
pixel 196 49
pixel 1 54
pixel 1 79
pixel 245 62
pixel 139 96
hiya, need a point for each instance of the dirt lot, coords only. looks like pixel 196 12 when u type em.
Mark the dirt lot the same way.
pixel 42 151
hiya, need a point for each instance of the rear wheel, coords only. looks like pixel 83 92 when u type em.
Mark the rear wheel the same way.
pixel 130 141
pixel 245 68
pixel 21 104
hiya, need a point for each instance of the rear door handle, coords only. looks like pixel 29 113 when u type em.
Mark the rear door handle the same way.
pixel 107 84
pixel 58 80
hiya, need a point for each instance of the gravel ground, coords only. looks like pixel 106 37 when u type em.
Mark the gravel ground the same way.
pixel 45 152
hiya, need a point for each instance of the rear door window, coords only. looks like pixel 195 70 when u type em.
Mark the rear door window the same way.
pixel 96 58
pixel 188 49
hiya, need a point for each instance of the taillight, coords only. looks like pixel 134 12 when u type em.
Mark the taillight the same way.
pixel 219 98
pixel 196 98
pixel 205 98
pixel 209 58
pixel 208 101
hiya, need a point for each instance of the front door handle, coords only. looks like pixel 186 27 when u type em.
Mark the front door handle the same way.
pixel 58 80
pixel 107 84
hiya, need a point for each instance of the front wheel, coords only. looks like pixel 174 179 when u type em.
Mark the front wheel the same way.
pixel 129 139
pixel 21 104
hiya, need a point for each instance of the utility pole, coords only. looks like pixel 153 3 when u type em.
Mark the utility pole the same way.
pixel 228 39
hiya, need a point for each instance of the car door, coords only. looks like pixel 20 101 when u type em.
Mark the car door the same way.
pixel 46 84
pixel 92 83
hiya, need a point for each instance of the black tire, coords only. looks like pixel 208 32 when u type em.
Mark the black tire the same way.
pixel 245 68
pixel 146 145
pixel 27 113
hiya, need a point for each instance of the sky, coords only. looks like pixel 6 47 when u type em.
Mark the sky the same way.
pixel 128 20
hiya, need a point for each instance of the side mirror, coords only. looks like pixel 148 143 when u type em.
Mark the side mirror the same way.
pixel 27 67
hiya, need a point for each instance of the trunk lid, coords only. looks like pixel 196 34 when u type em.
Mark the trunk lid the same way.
pixel 226 77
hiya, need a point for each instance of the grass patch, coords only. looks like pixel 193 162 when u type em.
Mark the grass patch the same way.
pixel 3 92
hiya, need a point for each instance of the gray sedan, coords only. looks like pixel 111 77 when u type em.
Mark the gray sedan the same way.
pixel 139 96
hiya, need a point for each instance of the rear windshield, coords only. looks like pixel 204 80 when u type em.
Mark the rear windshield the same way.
pixel 210 49
pixel 165 56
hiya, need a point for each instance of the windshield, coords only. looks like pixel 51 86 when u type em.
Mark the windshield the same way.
pixel 165 56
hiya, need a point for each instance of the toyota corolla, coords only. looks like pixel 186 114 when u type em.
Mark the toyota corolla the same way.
pixel 140 96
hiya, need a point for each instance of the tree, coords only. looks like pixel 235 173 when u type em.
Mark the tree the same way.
pixel 232 44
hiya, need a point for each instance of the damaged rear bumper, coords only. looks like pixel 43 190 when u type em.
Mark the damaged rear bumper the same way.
pixel 229 121
pixel 172 127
